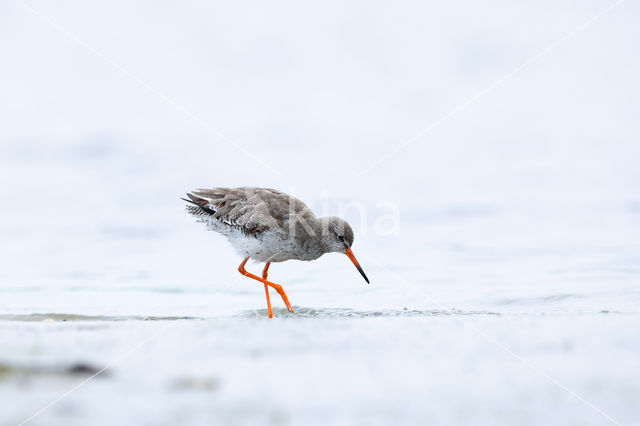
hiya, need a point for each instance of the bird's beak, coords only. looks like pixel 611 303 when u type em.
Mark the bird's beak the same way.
pixel 350 255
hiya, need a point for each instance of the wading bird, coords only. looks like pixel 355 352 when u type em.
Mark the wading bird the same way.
pixel 270 226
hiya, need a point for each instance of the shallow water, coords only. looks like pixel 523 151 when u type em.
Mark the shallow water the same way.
pixel 448 335
pixel 464 329
pixel 336 366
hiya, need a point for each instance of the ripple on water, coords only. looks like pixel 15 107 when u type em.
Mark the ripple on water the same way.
pixel 55 317
pixel 304 312
pixel 541 300
pixel 299 312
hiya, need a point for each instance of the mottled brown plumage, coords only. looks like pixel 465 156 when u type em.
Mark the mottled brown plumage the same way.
pixel 252 210
pixel 284 227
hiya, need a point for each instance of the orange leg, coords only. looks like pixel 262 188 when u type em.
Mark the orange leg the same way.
pixel 266 288
pixel 275 286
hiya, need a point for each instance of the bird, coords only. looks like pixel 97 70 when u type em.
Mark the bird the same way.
pixel 269 226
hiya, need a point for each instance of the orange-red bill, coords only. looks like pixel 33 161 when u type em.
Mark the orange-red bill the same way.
pixel 350 255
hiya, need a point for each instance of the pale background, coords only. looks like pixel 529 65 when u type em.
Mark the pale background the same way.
pixel 516 255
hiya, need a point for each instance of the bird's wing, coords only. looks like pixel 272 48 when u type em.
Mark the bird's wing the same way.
pixel 252 210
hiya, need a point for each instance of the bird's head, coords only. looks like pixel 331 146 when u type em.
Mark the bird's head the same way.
pixel 337 237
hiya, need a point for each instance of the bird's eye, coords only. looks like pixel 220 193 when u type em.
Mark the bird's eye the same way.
pixel 341 238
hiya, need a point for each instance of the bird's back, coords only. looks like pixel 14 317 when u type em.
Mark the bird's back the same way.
pixel 258 222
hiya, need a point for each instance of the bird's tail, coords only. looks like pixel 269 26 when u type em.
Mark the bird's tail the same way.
pixel 200 202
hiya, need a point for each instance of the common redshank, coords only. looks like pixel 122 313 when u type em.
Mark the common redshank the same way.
pixel 270 226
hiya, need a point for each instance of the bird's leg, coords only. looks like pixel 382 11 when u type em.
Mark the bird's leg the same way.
pixel 266 288
pixel 275 286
